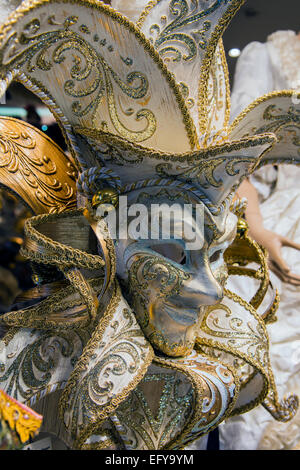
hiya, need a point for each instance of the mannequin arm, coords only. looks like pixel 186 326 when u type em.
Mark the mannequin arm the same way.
pixel 273 242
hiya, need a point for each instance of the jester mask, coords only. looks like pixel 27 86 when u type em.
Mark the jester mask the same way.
pixel 134 342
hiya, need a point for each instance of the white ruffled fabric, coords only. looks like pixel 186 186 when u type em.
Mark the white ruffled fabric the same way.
pixel 130 8
pixel 266 67
pixel 253 77
pixel 263 68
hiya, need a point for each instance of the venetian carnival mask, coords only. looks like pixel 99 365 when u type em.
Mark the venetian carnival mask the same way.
pixel 169 281
pixel 141 338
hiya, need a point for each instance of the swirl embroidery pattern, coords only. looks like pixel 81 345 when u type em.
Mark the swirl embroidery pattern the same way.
pixel 282 120
pixel 203 171
pixel 42 50
pixel 31 370
pixel 149 428
pixel 171 32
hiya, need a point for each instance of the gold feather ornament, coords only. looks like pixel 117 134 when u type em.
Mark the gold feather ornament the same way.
pixel 19 417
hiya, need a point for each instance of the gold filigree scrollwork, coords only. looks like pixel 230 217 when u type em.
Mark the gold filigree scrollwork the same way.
pixel 238 333
pixel 31 370
pixel 149 268
pixel 204 170
pixel 169 279
pixel 215 392
pixel 21 156
pixel 183 16
pixel 90 70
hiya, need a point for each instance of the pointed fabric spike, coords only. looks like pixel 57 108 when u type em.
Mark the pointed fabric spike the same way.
pixel 215 171
pixel 92 67
pixel 35 169
pixel 218 99
pixel 279 113
pixel 186 34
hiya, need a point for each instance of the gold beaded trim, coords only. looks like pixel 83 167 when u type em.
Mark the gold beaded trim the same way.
pixel 146 12
pixel 48 314
pixel 48 251
pixel 241 252
pixel 69 260
pixel 190 157
pixel 205 69
pixel 227 83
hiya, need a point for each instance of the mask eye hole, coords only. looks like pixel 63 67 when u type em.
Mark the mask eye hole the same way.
pixel 215 256
pixel 171 251
pixel 183 261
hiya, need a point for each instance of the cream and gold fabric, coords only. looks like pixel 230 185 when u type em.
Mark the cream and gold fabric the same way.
pixel 140 346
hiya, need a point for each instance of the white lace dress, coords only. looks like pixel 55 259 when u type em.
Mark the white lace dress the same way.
pixel 263 68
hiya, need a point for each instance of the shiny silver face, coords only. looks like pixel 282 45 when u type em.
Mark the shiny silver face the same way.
pixel 169 285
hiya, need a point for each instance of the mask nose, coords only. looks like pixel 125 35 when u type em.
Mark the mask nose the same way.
pixel 201 289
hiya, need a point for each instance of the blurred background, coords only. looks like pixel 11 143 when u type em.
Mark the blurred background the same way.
pixel 255 21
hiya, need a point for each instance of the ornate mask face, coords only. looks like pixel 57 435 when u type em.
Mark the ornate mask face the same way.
pixel 168 283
